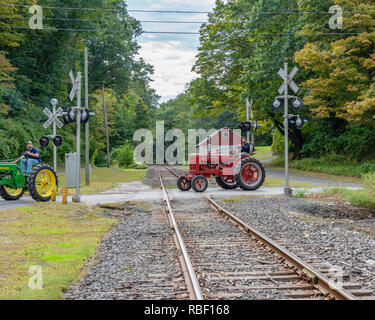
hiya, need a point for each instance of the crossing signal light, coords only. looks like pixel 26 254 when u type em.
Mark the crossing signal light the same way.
pixel 65 118
pixel 71 114
pixel 44 141
pixel 57 141
pixel 277 104
pixel 298 122
pixel 86 115
pixel 297 104
pixel 245 126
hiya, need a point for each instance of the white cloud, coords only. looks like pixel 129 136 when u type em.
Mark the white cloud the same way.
pixel 172 65
pixel 172 55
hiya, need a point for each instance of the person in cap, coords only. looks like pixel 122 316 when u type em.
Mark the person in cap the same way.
pixel 30 158
pixel 246 146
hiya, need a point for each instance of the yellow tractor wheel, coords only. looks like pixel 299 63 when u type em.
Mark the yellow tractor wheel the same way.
pixel 10 194
pixel 41 182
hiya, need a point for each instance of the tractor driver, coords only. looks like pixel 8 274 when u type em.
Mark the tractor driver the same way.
pixel 30 158
pixel 246 146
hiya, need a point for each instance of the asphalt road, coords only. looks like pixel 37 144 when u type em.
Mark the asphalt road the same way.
pixel 138 191
pixel 321 182
pixel 26 201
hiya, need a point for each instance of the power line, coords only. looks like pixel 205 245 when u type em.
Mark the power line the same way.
pixel 170 11
pixel 197 33
pixel 62 29
pixel 103 20
pixel 187 22
pixel 103 9
pixel 179 11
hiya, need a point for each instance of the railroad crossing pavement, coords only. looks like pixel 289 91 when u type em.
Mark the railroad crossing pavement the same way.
pixel 138 191
pixel 125 193
pixel 24 202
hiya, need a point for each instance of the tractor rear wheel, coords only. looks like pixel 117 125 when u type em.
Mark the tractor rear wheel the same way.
pixel 199 183
pixel 10 194
pixel 227 182
pixel 251 175
pixel 183 184
pixel 41 181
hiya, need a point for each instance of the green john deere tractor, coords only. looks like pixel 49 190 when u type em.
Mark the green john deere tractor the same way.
pixel 40 182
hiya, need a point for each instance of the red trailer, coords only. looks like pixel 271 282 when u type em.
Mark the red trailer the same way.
pixel 220 156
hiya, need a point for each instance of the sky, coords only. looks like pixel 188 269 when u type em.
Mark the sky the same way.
pixel 172 56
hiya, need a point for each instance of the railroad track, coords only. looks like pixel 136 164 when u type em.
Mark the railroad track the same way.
pixel 219 262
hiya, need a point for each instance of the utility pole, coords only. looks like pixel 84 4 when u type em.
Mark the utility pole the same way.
pixel 287 190
pixel 77 197
pixel 106 129
pixel 54 134
pixel 87 128
pixel 248 107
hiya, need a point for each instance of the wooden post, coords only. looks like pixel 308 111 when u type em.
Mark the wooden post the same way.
pixel 87 128
pixel 106 129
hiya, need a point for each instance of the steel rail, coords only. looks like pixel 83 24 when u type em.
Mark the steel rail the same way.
pixel 173 172
pixel 324 284
pixel 191 278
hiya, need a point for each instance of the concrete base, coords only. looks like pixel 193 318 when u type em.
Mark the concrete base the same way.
pixel 288 192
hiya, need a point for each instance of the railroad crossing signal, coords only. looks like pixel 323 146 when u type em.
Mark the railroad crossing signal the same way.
pixel 289 120
pixel 53 118
pixel 75 83
pixel 288 78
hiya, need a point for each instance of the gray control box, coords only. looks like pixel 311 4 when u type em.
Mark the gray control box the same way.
pixel 71 171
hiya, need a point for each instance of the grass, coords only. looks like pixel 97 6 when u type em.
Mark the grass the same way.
pixel 103 179
pixel 58 238
pixel 361 197
pixel 263 153
pixel 273 182
pixel 338 166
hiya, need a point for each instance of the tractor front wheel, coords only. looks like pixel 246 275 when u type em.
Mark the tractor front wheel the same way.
pixel 199 183
pixel 41 182
pixel 10 194
pixel 183 184
pixel 251 175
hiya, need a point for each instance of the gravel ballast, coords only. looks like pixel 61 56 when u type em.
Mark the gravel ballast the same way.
pixel 303 227
pixel 136 260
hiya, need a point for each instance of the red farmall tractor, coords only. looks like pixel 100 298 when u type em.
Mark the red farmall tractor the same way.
pixel 220 156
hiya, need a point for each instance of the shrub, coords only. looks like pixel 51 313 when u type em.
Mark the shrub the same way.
pixel 369 181
pixel 278 144
pixel 123 156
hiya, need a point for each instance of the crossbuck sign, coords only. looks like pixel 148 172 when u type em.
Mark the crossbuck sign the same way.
pixel 289 80
pixel 75 83
pixel 53 118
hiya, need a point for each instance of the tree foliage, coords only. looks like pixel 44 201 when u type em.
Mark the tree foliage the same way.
pixel 245 43
pixel 34 67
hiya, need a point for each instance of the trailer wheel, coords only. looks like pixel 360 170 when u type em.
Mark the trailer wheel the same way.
pixel 227 182
pixel 251 175
pixel 183 184
pixel 10 194
pixel 199 183
pixel 41 180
